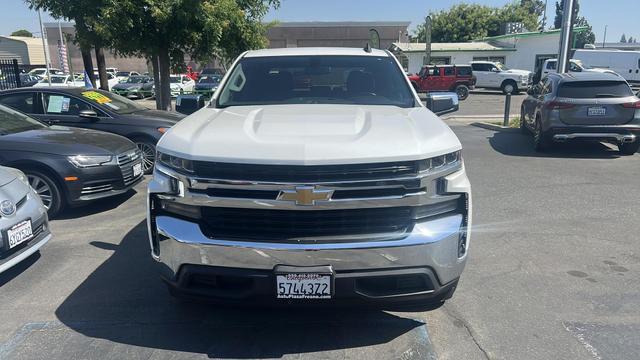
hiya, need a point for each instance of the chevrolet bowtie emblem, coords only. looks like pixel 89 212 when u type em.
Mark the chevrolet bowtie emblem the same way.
pixel 305 195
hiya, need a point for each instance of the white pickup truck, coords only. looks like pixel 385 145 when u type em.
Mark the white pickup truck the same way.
pixel 493 75
pixel 313 175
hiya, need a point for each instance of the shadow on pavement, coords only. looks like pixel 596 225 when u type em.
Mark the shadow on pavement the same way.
pixel 19 268
pixel 124 301
pixel 95 207
pixel 514 143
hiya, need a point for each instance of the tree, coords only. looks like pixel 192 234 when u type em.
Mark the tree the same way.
pixel 623 39
pixel 536 7
pixel 22 32
pixel 580 38
pixel 465 22
pixel 165 31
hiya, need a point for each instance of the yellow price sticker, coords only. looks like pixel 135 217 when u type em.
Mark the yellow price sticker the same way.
pixel 96 96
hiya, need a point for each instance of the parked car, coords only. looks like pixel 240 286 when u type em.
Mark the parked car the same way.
pixel 124 75
pixel 207 85
pixel 582 106
pixel 27 80
pixel 494 75
pixel 211 71
pixel 95 109
pixel 112 80
pixel 625 63
pixel 181 84
pixel 135 87
pixel 60 81
pixel 455 78
pixel 42 72
pixel 549 66
pixel 346 190
pixel 67 166
pixel 112 70
pixel 23 218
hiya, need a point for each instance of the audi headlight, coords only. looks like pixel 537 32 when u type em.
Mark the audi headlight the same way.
pixel 438 162
pixel 85 161
pixel 175 163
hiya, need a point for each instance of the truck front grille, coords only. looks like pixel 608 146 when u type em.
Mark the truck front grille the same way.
pixel 304 173
pixel 292 225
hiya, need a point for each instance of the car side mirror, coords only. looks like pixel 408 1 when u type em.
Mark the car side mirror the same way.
pixel 88 114
pixel 442 103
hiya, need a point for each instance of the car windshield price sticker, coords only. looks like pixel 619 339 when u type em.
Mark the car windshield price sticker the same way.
pixel 96 96
pixel 303 286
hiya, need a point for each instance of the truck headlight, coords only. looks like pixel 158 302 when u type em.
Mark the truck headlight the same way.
pixel 85 161
pixel 176 163
pixel 437 162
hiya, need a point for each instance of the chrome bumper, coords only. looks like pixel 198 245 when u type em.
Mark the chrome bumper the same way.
pixel 432 244
pixel 621 138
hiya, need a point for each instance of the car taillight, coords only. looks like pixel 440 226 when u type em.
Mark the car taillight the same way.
pixel 556 105
pixel 632 105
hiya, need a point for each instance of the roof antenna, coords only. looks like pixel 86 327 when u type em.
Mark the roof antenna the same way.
pixel 367 48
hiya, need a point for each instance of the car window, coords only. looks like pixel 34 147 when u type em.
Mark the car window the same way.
pixel 464 71
pixel 449 71
pixel 547 87
pixel 594 89
pixel 12 121
pixel 59 104
pixel 574 67
pixel 317 79
pixel 21 101
pixel 551 65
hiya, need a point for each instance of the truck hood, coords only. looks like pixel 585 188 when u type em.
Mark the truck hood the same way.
pixel 517 72
pixel 309 135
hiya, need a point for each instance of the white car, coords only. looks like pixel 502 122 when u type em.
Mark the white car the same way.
pixel 124 75
pixel 181 84
pixel 316 175
pixel 625 63
pixel 112 80
pixel 61 80
pixel 494 75
pixel 42 72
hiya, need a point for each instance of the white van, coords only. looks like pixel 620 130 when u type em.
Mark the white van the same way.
pixel 626 63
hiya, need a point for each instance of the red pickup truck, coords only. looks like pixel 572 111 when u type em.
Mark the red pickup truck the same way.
pixel 456 78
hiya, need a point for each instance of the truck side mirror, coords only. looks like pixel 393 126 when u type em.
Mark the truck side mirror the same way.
pixel 442 102
pixel 188 104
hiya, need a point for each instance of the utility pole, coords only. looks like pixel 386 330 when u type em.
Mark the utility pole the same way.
pixel 604 39
pixel 45 47
pixel 565 36
pixel 427 33
pixel 544 16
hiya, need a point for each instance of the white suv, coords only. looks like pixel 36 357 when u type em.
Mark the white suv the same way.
pixel 494 75
pixel 314 175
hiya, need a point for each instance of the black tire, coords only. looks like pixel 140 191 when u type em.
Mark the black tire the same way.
pixel 629 148
pixel 541 140
pixel 523 126
pixel 48 190
pixel 509 87
pixel 148 150
pixel 462 91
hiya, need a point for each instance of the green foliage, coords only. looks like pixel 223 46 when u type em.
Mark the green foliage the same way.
pixel 466 22
pixel 22 32
pixel 582 38
pixel 623 39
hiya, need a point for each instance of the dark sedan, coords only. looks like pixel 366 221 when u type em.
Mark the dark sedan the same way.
pixel 207 85
pixel 135 87
pixel 67 166
pixel 95 109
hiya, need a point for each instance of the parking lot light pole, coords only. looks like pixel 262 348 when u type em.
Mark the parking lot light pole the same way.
pixel 507 107
pixel 565 36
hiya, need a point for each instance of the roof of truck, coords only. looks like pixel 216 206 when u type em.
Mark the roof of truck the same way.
pixel 587 76
pixel 306 51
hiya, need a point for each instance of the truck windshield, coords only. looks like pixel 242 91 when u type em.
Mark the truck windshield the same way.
pixel 362 80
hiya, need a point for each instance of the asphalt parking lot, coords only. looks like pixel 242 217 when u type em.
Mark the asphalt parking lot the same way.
pixel 552 274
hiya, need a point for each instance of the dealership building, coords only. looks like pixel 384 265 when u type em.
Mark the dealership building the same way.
pixel 525 50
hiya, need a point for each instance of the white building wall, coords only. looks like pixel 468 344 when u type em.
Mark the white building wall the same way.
pixel 456 57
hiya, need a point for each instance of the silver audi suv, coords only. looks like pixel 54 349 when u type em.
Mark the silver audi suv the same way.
pixel 582 106
pixel 24 226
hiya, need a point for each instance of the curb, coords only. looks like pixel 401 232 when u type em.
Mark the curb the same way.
pixel 494 127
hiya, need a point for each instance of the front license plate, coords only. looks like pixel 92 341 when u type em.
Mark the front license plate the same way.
pixel 19 233
pixel 596 111
pixel 137 169
pixel 303 286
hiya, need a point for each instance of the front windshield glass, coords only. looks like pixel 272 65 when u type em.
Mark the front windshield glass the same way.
pixel 502 67
pixel 209 79
pixel 115 103
pixel 362 80
pixel 122 73
pixel 174 79
pixel 12 122
pixel 135 80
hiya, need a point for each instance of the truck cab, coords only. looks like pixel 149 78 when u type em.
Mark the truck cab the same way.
pixel 494 75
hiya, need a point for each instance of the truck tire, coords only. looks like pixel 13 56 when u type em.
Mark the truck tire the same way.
pixel 509 87
pixel 462 91
pixel 629 148
pixel 523 125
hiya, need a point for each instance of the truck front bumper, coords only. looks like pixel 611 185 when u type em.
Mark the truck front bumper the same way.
pixel 421 267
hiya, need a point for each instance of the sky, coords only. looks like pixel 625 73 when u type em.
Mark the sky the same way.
pixel 620 16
